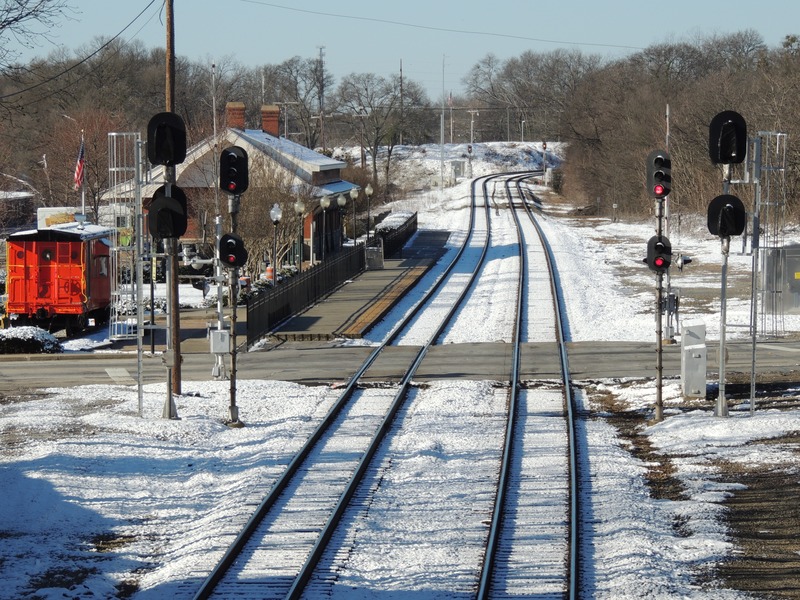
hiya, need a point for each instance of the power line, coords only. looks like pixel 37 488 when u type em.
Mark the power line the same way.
pixel 432 28
pixel 83 60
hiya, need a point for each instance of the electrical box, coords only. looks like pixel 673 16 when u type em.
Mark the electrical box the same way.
pixel 694 359
pixel 220 341
pixel 374 258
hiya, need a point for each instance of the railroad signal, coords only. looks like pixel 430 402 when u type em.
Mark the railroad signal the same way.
pixel 682 261
pixel 726 216
pixel 232 252
pixel 233 177
pixel 659 254
pixel 166 139
pixel 167 216
pixel 659 174
pixel 727 138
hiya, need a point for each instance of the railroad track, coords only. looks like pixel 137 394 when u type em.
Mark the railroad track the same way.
pixel 301 538
pixel 524 556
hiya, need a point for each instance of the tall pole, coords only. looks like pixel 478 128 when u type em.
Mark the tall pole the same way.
pixel 402 113
pixel 721 409
pixel 219 370
pixel 170 56
pixel 354 197
pixel 324 203
pixel 274 254
pixel 172 245
pixel 233 281
pixel 659 416
pixel 754 246
pixel 441 151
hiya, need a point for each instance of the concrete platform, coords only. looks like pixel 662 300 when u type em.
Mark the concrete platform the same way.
pixel 356 306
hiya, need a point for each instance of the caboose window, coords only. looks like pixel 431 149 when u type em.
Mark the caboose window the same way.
pixel 102 266
pixel 47 255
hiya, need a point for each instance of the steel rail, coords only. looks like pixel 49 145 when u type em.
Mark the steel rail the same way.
pixel 307 571
pixel 569 401
pixel 282 483
pixel 495 527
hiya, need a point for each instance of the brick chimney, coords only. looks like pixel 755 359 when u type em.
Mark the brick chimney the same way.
pixel 270 119
pixel 234 115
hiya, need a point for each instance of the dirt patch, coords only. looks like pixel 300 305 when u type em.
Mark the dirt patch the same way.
pixel 629 424
pixel 763 518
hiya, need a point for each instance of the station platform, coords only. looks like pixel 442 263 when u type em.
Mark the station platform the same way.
pixel 348 312
pixel 354 308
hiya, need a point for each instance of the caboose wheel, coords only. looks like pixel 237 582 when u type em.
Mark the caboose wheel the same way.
pixel 75 325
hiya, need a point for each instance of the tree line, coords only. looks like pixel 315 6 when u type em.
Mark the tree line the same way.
pixel 609 113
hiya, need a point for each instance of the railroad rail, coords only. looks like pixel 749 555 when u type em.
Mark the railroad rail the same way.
pixel 276 554
pixel 499 553
pixel 224 575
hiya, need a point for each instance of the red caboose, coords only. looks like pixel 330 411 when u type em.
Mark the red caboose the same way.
pixel 59 276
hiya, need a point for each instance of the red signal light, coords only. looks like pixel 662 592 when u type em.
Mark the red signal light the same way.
pixel 658 190
pixel 659 262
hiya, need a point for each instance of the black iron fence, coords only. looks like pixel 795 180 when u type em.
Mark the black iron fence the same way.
pixel 267 310
pixel 393 241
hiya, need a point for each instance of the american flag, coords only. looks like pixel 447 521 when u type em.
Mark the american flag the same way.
pixel 79 166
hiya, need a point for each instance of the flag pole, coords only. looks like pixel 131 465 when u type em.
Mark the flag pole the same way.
pixel 83 175
pixel 80 167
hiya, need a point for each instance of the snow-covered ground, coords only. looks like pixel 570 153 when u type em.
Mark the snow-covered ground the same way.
pixel 99 501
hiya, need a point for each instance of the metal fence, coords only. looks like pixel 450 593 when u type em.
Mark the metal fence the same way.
pixel 393 241
pixel 266 311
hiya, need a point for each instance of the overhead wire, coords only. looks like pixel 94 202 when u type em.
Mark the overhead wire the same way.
pixel 83 60
pixel 434 28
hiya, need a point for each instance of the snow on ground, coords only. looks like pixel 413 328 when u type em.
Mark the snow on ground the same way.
pixel 97 498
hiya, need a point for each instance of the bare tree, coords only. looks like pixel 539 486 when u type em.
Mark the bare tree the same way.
pixel 378 100
pixel 269 184
pixel 26 23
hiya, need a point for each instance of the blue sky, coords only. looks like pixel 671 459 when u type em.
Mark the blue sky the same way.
pixel 438 41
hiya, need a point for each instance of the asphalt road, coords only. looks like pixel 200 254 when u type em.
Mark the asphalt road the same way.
pixel 326 362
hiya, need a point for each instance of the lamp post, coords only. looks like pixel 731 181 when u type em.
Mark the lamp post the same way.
pixel 275 214
pixel 324 202
pixel 354 197
pixel 341 201
pixel 300 208
pixel 368 192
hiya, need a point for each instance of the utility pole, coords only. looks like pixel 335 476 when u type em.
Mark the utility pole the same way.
pixel 402 114
pixel 321 84
pixel 172 243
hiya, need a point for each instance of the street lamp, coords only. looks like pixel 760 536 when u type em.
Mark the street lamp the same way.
pixel 341 201
pixel 368 192
pixel 275 214
pixel 354 197
pixel 300 208
pixel 324 202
